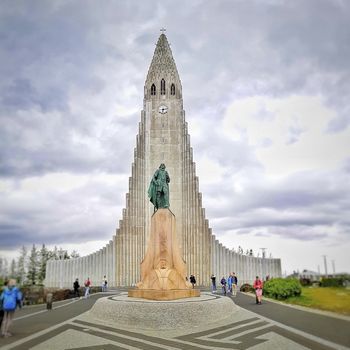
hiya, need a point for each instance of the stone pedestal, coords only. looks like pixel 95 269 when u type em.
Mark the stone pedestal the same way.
pixel 163 271
pixel 140 314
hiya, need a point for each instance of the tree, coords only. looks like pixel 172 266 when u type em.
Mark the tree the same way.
pixel 33 266
pixel 63 254
pixel 3 267
pixel 13 269
pixel 74 254
pixel 43 258
pixel 22 265
pixel 53 254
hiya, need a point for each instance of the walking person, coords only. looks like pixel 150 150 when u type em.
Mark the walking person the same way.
pixel 223 285
pixel 87 285
pixel 76 287
pixel 229 283
pixel 258 286
pixel 1 307
pixel 193 280
pixel 104 284
pixel 234 284
pixel 213 283
pixel 9 299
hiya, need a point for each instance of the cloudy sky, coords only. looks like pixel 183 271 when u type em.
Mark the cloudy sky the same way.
pixel 266 88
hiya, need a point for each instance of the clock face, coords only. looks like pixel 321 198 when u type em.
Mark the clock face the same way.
pixel 163 109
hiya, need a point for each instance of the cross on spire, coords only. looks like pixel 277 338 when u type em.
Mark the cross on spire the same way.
pixel 162 30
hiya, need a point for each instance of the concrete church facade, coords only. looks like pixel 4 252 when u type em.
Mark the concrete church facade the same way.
pixel 163 138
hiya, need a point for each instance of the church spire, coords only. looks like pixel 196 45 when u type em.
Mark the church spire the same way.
pixel 163 69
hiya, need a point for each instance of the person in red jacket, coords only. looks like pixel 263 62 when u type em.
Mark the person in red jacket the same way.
pixel 87 285
pixel 258 286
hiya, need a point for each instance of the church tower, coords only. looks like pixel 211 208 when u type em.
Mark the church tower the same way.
pixel 163 138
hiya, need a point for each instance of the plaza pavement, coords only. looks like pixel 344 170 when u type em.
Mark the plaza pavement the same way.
pixel 254 327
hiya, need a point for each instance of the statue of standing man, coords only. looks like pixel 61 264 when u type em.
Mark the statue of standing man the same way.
pixel 158 190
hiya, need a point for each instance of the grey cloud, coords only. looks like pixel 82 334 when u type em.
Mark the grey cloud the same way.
pixel 305 206
pixel 56 218
pixel 57 57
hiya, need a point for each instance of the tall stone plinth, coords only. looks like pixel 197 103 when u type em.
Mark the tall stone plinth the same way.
pixel 163 270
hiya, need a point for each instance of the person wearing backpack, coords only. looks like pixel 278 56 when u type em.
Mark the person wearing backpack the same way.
pixel 10 297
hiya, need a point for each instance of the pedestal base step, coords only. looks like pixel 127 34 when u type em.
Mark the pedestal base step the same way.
pixel 157 315
pixel 173 294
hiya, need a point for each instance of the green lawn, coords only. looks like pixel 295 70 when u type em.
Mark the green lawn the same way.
pixel 324 298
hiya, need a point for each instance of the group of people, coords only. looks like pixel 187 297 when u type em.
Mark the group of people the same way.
pixel 10 298
pixel 228 285
pixel 87 286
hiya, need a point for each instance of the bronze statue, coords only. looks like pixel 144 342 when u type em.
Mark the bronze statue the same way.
pixel 158 190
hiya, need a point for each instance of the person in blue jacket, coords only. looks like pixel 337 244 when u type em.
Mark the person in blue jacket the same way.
pixel 9 299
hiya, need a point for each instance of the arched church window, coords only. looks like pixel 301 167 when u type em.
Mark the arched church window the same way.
pixel 162 87
pixel 172 89
pixel 153 89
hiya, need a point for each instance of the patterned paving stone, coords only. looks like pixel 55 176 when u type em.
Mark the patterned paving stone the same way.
pixel 252 333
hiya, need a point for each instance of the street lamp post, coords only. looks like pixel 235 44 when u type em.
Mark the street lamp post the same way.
pixel 61 256
pixel 325 265
pixel 263 254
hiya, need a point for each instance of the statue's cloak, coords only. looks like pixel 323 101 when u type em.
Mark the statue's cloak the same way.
pixel 152 193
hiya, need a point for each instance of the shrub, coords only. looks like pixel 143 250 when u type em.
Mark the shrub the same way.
pixel 280 288
pixel 61 294
pixel 305 282
pixel 32 294
pixel 246 287
pixel 332 282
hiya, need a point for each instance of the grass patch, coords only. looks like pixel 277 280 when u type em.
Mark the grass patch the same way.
pixel 326 298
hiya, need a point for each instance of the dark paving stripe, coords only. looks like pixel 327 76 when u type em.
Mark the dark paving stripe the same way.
pixel 235 331
pixel 36 323
pixel 138 344
pixel 31 343
pixel 156 340
pixel 116 338
pixel 308 343
pixel 250 339
pixel 217 329
pixel 330 328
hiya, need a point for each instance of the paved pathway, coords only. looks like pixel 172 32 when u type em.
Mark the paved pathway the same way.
pixel 257 327
pixel 321 325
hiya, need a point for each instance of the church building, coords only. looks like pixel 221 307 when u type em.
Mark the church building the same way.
pixel 162 138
